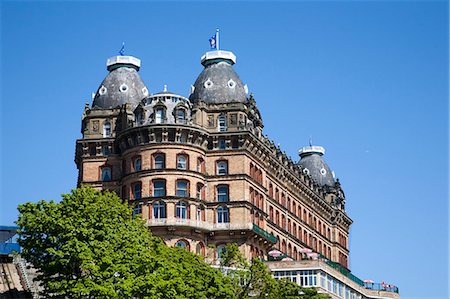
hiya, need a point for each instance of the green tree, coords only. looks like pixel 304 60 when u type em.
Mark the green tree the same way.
pixel 89 246
pixel 253 279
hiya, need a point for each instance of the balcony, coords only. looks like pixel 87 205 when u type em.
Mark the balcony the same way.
pixel 259 231
pixel 203 225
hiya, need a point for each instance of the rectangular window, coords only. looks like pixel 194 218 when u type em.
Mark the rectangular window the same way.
pixel 159 210
pixel 222 193
pixel 181 116
pixel 137 210
pixel 182 189
pixel 137 191
pixel 160 115
pixel 160 162
pixel 159 188
pixel 181 162
pixel 222 123
pixel 181 210
pixel 105 150
pixel 222 168
pixel 222 144
pixel 199 191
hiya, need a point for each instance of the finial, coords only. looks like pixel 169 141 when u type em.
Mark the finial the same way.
pixel 165 87
pixel 122 50
pixel 310 141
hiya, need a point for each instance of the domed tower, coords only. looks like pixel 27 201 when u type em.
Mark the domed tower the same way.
pixel 220 100
pixel 314 166
pixel 119 94
pixel 122 84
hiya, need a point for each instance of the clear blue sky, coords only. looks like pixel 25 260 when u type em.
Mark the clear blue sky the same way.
pixel 368 80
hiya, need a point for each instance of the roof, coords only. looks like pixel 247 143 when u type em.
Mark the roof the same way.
pixel 218 82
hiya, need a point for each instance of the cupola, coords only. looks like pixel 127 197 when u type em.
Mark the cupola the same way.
pixel 218 83
pixel 122 85
pixel 313 165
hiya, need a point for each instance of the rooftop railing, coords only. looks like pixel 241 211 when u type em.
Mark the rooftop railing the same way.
pixel 381 287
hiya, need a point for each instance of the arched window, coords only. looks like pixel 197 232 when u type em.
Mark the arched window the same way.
pixel 137 190
pixel 182 188
pixel 271 213
pixel 159 161
pixel 277 217
pixel 159 210
pixel 222 193
pixel 222 123
pixel 106 174
pixel 200 249
pixel 182 161
pixel 107 129
pixel 159 188
pixel 160 115
pixel 283 246
pixel 137 164
pixel 223 215
pixel 271 190
pixel 181 210
pixel 182 244
pixel 222 167
pixel 221 249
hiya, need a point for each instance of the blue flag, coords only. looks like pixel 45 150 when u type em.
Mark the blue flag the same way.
pixel 213 42
pixel 122 50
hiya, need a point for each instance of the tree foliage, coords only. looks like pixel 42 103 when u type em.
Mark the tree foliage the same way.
pixel 89 246
pixel 253 279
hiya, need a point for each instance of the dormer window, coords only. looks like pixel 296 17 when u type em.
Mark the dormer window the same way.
pixel 107 129
pixel 222 123
pixel 160 115
pixel 181 116
pixel 139 117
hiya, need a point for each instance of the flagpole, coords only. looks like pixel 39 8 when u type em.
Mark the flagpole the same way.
pixel 217 37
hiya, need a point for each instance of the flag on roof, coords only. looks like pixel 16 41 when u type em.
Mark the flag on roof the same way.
pixel 213 42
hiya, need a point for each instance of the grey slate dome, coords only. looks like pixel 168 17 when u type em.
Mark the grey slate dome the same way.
pixel 122 85
pixel 313 165
pixel 218 82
